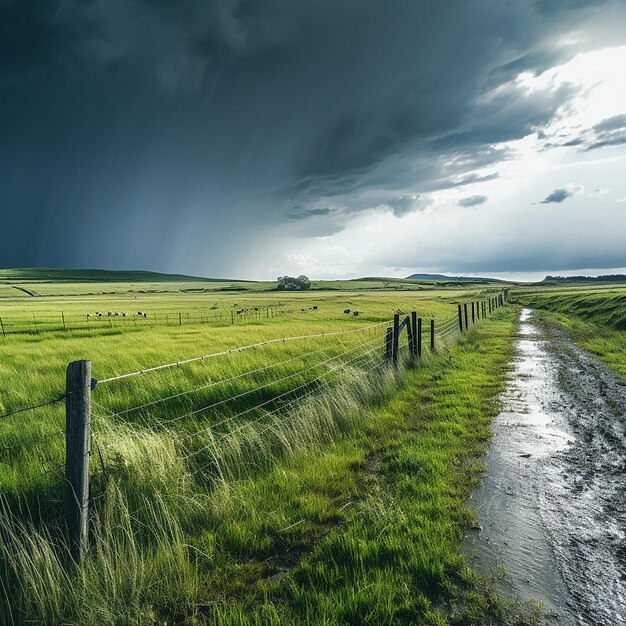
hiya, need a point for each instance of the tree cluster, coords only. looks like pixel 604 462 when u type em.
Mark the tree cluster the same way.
pixel 289 283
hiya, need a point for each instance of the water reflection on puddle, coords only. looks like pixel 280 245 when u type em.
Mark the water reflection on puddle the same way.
pixel 526 435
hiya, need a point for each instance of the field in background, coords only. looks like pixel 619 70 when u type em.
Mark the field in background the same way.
pixel 32 301
pixel 183 453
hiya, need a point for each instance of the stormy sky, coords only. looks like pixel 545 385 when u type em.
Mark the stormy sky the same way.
pixel 341 138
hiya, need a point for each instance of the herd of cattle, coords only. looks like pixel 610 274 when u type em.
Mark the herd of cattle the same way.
pixel 115 314
pixel 239 312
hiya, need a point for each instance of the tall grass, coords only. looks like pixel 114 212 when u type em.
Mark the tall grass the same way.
pixel 151 495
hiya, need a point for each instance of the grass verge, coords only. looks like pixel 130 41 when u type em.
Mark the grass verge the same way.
pixel 595 319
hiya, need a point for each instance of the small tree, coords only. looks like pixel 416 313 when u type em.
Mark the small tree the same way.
pixel 289 283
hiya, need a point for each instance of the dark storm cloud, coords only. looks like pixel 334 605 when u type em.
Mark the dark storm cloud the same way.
pixel 173 135
pixel 472 201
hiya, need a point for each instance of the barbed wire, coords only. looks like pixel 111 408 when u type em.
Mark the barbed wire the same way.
pixel 33 407
pixel 278 397
pixel 238 349
pixel 168 422
pixel 219 382
pixel 265 415
pixel 265 386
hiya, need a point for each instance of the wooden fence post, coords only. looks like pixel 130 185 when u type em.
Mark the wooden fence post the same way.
pixel 489 306
pixel 77 435
pixel 63 318
pixel 465 311
pixel 478 310
pixel 396 338
pixel 417 326
pixel 419 337
pixel 432 335
pixel 410 333
pixel 388 343
pixel 473 318
pixel 2 326
pixel 460 319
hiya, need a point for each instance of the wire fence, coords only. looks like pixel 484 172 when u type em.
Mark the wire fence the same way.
pixel 207 400
pixel 34 323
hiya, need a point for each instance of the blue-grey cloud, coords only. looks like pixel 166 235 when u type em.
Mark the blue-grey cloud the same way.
pixel 298 213
pixel 472 201
pixel 405 204
pixel 561 194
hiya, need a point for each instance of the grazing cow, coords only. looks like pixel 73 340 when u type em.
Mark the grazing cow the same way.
pixel 145 315
pixel 99 314
pixel 256 308
pixel 314 307
pixel 355 313
pixel 347 311
pixel 123 314
pixel 109 313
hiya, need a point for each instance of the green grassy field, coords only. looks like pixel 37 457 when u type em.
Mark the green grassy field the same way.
pixel 207 476
pixel 595 316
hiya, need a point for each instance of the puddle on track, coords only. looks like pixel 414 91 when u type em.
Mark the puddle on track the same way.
pixel 552 504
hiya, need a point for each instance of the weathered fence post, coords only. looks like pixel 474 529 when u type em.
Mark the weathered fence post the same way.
pixel 460 319
pixel 478 310
pixel 388 343
pixel 410 333
pixel 77 435
pixel 396 338
pixel 432 335
pixel 417 327
pixel 2 326
pixel 419 337
pixel 489 306
pixel 473 314
pixel 63 318
pixel 180 319
pixel 465 311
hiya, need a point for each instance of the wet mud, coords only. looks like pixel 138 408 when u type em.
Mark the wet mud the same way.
pixel 552 506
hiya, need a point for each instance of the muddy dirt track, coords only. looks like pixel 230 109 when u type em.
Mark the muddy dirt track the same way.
pixel 552 506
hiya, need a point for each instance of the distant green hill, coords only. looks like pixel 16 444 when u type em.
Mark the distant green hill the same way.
pixel 448 279
pixel 38 274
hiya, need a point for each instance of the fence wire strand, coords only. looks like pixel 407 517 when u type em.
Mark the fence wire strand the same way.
pixel 238 349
